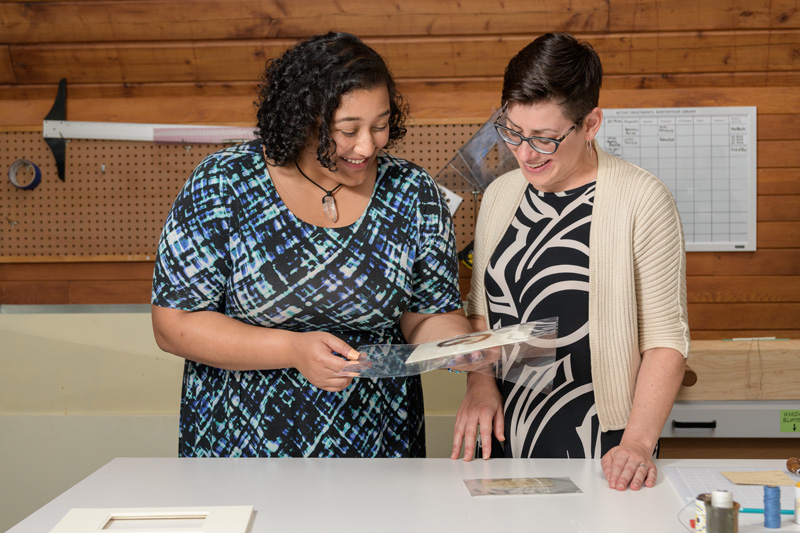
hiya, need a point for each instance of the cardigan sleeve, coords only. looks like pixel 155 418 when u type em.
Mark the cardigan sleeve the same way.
pixel 660 271
pixel 637 294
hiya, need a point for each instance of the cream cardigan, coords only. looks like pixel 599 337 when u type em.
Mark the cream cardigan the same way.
pixel 637 274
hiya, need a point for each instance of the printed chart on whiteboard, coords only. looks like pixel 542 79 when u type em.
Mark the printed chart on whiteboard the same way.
pixel 707 158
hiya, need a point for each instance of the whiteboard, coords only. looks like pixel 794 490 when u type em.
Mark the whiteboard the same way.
pixel 707 158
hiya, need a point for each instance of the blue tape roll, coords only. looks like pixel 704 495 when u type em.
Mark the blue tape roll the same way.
pixel 18 164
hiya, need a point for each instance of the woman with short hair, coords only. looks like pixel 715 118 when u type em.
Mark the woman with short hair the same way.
pixel 596 241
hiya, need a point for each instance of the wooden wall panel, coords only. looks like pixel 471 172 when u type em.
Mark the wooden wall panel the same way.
pixel 778 180
pixel 80 271
pixel 233 110
pixel 452 102
pixel 772 127
pixel 449 101
pixel 736 316
pixel 76 283
pixel 778 208
pixel 34 292
pixel 781 262
pixel 711 289
pixel 75 292
pixel 197 62
pixel 778 234
pixel 717 334
pixel 698 52
pixel 119 20
pixel 769 100
pixel 109 292
pixel 657 15
pixel 418 57
pixel 469 86
pixel 702 79
pixel 6 66
pixel 779 154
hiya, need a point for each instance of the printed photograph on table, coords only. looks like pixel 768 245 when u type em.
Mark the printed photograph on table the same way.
pixel 521 486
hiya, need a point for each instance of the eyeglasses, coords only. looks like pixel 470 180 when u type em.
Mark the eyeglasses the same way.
pixel 543 145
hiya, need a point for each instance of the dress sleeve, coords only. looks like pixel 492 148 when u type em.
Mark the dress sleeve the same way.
pixel 435 277
pixel 193 262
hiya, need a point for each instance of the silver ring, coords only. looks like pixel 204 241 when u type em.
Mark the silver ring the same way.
pixel 644 465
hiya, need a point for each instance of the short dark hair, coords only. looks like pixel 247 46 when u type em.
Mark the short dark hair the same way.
pixel 555 67
pixel 300 91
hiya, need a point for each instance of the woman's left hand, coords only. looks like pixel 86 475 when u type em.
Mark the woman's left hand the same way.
pixel 629 465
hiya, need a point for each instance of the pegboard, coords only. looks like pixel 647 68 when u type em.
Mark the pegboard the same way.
pixel 117 194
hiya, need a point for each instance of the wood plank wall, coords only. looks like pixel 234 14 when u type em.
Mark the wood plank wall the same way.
pixel 196 62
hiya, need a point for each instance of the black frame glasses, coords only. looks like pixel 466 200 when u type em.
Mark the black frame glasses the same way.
pixel 515 138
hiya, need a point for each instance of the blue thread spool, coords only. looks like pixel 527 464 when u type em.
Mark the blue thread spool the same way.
pixel 772 507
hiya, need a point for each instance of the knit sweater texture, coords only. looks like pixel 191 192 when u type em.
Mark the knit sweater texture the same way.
pixel 637 274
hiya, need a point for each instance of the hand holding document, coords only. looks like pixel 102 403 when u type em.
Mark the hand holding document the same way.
pixel 490 352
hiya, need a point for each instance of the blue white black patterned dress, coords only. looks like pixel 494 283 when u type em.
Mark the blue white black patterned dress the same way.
pixel 230 245
pixel 540 269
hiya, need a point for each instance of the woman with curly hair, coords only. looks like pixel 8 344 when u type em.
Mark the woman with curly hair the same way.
pixel 282 255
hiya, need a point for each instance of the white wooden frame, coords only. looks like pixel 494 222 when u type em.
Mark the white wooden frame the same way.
pixel 227 519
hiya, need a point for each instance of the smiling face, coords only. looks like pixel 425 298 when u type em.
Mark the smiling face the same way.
pixel 572 165
pixel 360 129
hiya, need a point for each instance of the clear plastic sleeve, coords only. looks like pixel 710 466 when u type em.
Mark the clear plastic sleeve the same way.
pixel 479 161
pixel 509 353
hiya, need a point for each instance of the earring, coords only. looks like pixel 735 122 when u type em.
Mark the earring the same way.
pixel 589 147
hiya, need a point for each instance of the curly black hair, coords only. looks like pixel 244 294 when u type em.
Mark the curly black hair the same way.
pixel 300 91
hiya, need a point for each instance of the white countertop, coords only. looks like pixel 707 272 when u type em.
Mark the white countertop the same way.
pixel 389 495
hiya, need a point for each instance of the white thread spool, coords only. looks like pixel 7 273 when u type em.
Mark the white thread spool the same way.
pixel 722 515
pixel 721 499
pixel 797 503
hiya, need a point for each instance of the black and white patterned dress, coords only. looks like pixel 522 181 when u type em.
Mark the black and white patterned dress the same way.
pixel 230 245
pixel 540 269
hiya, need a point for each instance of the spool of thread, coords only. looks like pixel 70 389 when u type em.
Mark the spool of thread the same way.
pixel 772 507
pixel 702 505
pixel 721 499
pixel 722 515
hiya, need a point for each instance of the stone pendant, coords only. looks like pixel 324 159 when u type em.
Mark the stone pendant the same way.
pixel 329 208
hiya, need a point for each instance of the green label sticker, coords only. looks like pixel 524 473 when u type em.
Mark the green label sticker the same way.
pixel 790 421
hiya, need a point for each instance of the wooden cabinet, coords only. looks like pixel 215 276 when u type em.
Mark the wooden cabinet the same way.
pixel 722 448
pixel 735 394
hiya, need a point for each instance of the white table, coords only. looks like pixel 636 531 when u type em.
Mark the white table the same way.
pixel 389 495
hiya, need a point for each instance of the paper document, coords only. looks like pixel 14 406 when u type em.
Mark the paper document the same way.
pixel 482 340
pixel 775 478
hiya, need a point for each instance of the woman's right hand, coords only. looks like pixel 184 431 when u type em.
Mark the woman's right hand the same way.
pixel 217 340
pixel 318 364
pixel 482 407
